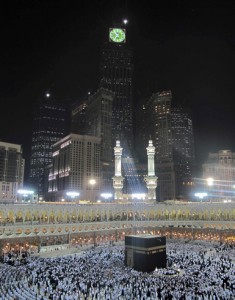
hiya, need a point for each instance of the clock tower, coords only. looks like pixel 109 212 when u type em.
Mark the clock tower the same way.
pixel 117 35
pixel 116 76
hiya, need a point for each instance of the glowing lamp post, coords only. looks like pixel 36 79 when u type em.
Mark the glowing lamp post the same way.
pixel 210 182
pixel 106 196
pixel 72 195
pixel 92 182
pixel 26 195
pixel 200 196
pixel 138 196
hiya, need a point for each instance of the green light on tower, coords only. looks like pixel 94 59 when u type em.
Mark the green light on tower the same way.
pixel 117 35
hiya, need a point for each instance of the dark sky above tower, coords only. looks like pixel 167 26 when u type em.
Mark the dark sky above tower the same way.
pixel 187 47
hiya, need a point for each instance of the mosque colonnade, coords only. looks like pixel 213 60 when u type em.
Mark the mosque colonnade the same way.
pixel 43 224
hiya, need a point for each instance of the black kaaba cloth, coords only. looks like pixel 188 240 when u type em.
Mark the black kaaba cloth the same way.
pixel 145 252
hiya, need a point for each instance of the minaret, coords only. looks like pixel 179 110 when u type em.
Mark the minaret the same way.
pixel 151 179
pixel 118 179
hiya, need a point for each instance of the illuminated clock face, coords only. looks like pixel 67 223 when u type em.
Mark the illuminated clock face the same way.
pixel 117 35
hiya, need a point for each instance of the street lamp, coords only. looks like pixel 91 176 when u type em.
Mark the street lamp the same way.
pixel 210 182
pixel 138 196
pixel 201 195
pixel 106 196
pixel 72 195
pixel 92 182
pixel 26 195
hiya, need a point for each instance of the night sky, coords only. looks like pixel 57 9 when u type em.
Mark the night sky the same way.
pixel 187 47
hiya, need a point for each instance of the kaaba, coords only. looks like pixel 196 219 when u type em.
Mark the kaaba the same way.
pixel 145 252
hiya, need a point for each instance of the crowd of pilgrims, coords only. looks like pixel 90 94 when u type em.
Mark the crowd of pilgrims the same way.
pixel 195 270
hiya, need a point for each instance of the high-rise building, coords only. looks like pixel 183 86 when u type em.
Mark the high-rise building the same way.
pixel 50 124
pixel 158 126
pixel 142 136
pixel 11 171
pixel 172 134
pixel 94 118
pixel 183 150
pixel 116 76
pixel 78 117
pixel 75 168
pixel 219 176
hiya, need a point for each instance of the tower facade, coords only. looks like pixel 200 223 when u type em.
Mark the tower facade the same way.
pixel 50 123
pixel 94 118
pixel 11 171
pixel 99 121
pixel 172 132
pixel 78 117
pixel 220 169
pixel 158 126
pixel 76 161
pixel 183 150
pixel 116 76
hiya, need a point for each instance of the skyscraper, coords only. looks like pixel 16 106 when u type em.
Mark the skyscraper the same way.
pixel 94 118
pixel 158 126
pixel 116 76
pixel 183 150
pixel 78 117
pixel 11 171
pixel 219 176
pixel 50 123
pixel 172 134
pixel 76 161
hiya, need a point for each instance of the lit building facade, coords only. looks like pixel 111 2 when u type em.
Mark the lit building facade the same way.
pixel 171 130
pixel 99 121
pixel 46 227
pixel 99 124
pixel 116 76
pixel 50 124
pixel 219 176
pixel 76 161
pixel 11 171
pixel 158 126
pixel 94 118
pixel 183 151
pixel 78 118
